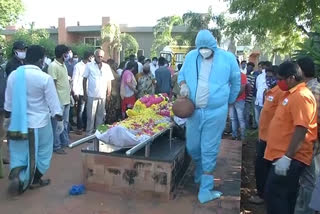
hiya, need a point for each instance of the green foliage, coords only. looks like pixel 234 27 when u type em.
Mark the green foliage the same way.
pixel 163 33
pixel 81 48
pixel 198 21
pixel 279 23
pixel 9 11
pixel 129 44
pixel 32 37
pixel 310 47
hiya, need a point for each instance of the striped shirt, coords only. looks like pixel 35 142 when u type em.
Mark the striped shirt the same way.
pixel 314 87
pixel 251 83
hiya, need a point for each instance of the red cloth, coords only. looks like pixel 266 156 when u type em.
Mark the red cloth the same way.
pixel 127 102
pixel 243 82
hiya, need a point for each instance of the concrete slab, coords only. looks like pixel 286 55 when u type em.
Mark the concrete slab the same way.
pixel 66 171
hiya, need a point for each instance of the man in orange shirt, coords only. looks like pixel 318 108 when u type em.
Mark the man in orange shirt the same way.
pixel 291 134
pixel 272 97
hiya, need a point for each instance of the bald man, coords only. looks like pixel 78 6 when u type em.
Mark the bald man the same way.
pixel 98 75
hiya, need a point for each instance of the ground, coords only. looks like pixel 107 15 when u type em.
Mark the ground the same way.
pixel 248 185
pixel 66 171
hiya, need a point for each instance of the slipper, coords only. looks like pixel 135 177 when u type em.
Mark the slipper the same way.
pixel 40 184
pixel 77 189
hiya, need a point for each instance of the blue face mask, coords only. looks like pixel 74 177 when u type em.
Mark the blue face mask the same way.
pixel 271 81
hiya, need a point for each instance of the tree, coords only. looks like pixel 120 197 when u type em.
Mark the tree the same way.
pixel 32 37
pixel 9 11
pixel 110 34
pixel 310 47
pixel 163 33
pixel 275 21
pixel 129 44
pixel 198 21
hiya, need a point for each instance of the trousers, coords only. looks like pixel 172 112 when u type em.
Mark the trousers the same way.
pixel 281 191
pixel 95 113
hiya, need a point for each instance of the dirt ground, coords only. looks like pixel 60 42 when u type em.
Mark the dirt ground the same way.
pixel 248 182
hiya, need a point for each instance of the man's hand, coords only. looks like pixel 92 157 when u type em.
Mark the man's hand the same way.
pixel 108 98
pixel 6 123
pixel 184 90
pixel 282 165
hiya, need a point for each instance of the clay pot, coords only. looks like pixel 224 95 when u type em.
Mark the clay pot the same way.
pixel 183 107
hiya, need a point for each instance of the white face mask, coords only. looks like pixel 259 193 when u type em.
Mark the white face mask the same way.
pixel 20 54
pixel 205 52
pixel 154 63
pixel 75 60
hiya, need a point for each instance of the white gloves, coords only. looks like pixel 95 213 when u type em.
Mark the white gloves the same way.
pixel 6 123
pixel 184 90
pixel 60 127
pixel 282 165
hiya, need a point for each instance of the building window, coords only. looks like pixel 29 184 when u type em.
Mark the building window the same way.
pixel 92 41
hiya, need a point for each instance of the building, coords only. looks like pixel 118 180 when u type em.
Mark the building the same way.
pixel 92 34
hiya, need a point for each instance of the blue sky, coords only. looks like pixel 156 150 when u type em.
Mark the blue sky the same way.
pixel 45 13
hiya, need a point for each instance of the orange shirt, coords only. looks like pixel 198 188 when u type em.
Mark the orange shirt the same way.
pixel 297 108
pixel 272 99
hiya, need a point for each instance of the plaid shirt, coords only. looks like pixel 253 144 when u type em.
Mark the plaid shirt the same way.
pixel 314 87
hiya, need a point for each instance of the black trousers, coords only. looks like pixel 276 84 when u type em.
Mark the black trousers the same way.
pixel 262 167
pixel 281 191
pixel 81 113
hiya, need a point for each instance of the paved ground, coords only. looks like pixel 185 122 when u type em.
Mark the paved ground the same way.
pixel 66 171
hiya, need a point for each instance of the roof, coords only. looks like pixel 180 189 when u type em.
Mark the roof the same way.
pixel 97 28
pixel 11 32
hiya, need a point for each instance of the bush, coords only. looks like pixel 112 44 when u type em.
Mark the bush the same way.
pixel 31 37
pixel 80 49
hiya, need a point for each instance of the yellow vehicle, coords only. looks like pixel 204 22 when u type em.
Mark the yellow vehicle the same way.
pixel 175 54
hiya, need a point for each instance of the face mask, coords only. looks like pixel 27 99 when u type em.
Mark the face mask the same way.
pixel 283 85
pixel 154 63
pixel 271 82
pixel 91 59
pixel 205 52
pixel 66 57
pixel 20 55
pixel 75 60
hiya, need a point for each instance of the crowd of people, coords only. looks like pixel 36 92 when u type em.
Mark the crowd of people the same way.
pixel 286 112
pixel 40 99
pixel 88 88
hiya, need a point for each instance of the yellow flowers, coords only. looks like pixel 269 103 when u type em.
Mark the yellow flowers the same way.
pixel 147 115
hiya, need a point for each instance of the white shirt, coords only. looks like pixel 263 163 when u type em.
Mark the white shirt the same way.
pixel 98 79
pixel 202 95
pixel 42 96
pixel 119 71
pixel 140 67
pixel 77 78
pixel 153 69
pixel 261 85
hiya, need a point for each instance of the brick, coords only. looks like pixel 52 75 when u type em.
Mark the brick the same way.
pixel 113 162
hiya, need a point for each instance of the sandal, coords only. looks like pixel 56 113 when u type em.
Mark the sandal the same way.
pixel 40 184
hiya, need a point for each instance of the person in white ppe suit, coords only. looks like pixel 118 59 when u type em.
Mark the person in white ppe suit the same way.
pixel 210 77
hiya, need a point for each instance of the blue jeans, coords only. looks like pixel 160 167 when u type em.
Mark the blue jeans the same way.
pixel 236 113
pixel 249 110
pixel 61 140
pixel 257 111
